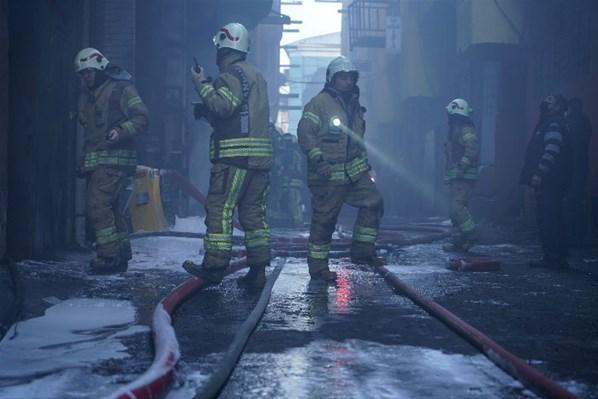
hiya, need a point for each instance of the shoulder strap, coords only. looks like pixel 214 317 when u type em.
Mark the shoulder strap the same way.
pixel 115 114
pixel 240 74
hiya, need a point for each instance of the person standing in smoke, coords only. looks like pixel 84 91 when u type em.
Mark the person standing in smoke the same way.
pixel 547 170
pixel 576 206
pixel 462 152
pixel 331 134
pixel 112 114
pixel 236 105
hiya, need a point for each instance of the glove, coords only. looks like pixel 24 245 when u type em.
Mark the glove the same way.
pixel 113 136
pixel 198 76
pixel 324 169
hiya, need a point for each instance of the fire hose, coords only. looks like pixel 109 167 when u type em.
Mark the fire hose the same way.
pixel 511 364
pixel 217 380
pixel 508 362
pixel 157 379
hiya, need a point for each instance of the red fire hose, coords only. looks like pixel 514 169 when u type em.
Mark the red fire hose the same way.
pixel 155 381
pixel 517 368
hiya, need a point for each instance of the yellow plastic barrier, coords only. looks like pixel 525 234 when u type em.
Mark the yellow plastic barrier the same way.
pixel 145 204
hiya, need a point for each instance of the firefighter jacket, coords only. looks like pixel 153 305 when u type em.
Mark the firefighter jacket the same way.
pixel 238 110
pixel 462 152
pixel 548 153
pixel 340 145
pixel 113 104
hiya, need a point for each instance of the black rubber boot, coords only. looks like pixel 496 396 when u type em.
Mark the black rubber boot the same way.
pixel 255 279
pixel 106 265
pixel 125 251
pixel 374 261
pixel 211 276
pixel 323 275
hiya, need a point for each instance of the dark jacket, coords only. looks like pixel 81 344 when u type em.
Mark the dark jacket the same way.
pixel 548 153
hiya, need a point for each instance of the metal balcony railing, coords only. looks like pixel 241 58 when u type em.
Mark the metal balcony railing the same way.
pixel 367 22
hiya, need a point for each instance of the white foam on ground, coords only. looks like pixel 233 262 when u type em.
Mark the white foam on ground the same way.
pixel 165 253
pixel 195 224
pixel 192 224
pixel 43 357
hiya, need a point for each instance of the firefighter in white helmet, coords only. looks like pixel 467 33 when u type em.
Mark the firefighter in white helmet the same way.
pixel 461 173
pixel 112 114
pixel 236 104
pixel 331 133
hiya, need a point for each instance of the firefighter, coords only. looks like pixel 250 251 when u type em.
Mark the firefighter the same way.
pixel 236 105
pixel 112 114
pixel 331 134
pixel 275 207
pixel 288 182
pixel 461 173
pixel 293 182
pixel 547 170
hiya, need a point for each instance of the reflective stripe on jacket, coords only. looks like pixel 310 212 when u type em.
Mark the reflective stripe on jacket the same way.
pixel 114 104
pixel 462 152
pixel 239 113
pixel 322 139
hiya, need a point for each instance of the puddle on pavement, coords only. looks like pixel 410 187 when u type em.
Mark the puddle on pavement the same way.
pixel 51 356
pixel 363 369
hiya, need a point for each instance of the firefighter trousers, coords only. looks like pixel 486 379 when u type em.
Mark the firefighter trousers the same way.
pixel 104 186
pixel 463 224
pixel 327 201
pixel 246 190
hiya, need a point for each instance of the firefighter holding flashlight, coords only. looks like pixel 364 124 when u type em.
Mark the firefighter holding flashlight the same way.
pixel 331 134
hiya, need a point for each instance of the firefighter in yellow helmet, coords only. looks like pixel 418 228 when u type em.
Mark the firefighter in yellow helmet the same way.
pixel 236 105
pixel 331 133
pixel 112 114
pixel 461 173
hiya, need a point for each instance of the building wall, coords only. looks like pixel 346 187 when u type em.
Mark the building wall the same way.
pixel 113 29
pixel 502 56
pixel 3 123
pixel 154 39
pixel 565 61
pixel 310 58
pixel 265 54
pixel 44 37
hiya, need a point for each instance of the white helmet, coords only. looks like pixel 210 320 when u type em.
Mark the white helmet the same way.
pixel 90 58
pixel 340 64
pixel 233 35
pixel 459 107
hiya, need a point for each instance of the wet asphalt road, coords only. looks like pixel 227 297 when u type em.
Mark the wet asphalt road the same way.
pixel 356 338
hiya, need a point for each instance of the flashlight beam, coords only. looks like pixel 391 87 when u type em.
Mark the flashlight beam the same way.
pixel 425 189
